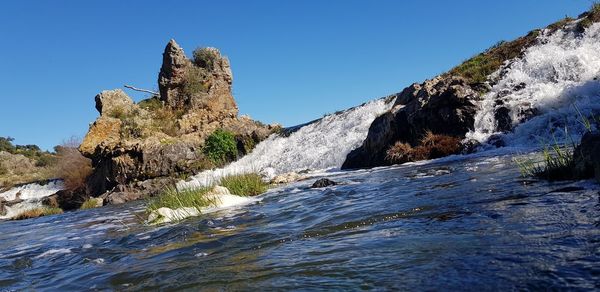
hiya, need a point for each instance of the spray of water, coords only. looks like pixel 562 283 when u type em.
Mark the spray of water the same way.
pixel 557 78
pixel 320 145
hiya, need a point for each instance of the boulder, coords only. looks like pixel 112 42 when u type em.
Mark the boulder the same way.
pixel 586 157
pixel 445 105
pixel 323 183
pixel 287 178
pixel 114 103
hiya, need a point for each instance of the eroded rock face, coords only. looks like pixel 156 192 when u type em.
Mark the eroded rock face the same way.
pixel 201 85
pixel 443 105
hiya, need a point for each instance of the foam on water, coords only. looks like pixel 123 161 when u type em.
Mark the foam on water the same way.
pixel 553 77
pixel 320 145
pixel 31 194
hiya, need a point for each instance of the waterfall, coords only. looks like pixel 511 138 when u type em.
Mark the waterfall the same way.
pixel 319 145
pixel 554 81
pixel 27 197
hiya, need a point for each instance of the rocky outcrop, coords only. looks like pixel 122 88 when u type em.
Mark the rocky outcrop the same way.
pixel 138 148
pixel 200 84
pixel 445 105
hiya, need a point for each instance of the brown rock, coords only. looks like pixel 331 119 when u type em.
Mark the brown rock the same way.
pixel 443 105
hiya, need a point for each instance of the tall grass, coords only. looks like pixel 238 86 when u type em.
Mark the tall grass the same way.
pixel 174 199
pixel 558 160
pixel 38 212
pixel 249 184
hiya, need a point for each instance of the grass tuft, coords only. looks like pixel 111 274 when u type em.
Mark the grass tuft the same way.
pixel 89 204
pixel 38 212
pixel 249 184
pixel 173 198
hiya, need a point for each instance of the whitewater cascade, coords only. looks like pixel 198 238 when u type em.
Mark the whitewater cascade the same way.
pixel 555 78
pixel 320 145
pixel 28 197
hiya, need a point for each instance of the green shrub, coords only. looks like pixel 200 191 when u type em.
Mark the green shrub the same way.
pixel 90 203
pixel 118 112
pixel 249 184
pixel 205 58
pixel 151 104
pixel 220 147
pixel 3 170
pixel 173 198
pixel 6 144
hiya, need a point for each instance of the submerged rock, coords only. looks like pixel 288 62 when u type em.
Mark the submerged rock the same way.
pixel 287 178
pixel 165 215
pixel 323 182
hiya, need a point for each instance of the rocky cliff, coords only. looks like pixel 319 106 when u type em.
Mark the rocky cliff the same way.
pixel 139 148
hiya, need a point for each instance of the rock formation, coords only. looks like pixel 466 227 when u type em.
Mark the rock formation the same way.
pixel 139 148
pixel 443 105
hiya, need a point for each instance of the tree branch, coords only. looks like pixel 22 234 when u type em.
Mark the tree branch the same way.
pixel 140 89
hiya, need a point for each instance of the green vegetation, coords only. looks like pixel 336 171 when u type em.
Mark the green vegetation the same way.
pixel 558 161
pixel 431 146
pixel 589 17
pixel 250 184
pixel 195 81
pixel 38 212
pixel 33 152
pixel 90 203
pixel 220 147
pixel 205 58
pixel 151 104
pixel 557 164
pixel 118 113
pixel 477 69
pixel 173 198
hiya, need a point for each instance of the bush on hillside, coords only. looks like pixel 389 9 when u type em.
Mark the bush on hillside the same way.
pixel 431 146
pixel 72 167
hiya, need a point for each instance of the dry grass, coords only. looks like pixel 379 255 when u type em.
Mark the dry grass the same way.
pixel 72 167
pixel 431 146
pixel 38 212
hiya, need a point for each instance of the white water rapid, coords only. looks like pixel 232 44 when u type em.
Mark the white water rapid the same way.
pixel 320 145
pixel 556 77
pixel 30 196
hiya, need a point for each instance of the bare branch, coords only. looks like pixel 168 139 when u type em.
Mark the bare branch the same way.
pixel 140 89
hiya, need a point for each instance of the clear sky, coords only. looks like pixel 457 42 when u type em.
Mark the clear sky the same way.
pixel 292 61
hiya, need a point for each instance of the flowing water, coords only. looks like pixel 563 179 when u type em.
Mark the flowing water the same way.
pixel 460 223
pixel 319 145
pixel 26 197
pixel 463 222
pixel 556 78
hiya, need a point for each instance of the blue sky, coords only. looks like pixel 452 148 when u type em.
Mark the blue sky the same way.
pixel 292 61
